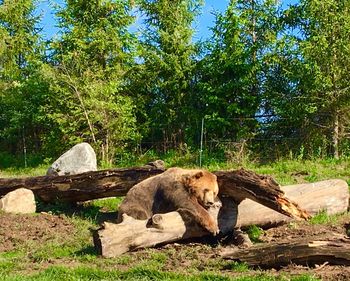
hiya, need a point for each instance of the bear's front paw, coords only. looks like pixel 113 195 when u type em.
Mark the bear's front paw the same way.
pixel 213 228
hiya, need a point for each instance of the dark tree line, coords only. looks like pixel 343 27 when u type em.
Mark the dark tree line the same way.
pixel 270 80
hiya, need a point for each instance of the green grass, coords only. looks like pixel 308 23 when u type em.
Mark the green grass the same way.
pixel 254 233
pixel 87 273
pixel 323 218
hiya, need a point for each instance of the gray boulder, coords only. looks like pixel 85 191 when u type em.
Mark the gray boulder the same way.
pixel 79 159
pixel 19 201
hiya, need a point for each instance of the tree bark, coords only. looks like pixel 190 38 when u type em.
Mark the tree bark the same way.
pixel 334 251
pixel 238 185
pixel 81 187
pixel 264 190
pixel 131 234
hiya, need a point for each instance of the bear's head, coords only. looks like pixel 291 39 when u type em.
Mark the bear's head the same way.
pixel 203 185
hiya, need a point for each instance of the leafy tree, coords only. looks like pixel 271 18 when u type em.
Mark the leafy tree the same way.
pixel 167 65
pixel 326 27
pixel 91 59
pixel 309 91
pixel 233 74
pixel 20 90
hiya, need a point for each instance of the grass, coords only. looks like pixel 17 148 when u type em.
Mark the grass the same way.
pixel 87 273
pixel 254 232
pixel 74 258
pixel 323 218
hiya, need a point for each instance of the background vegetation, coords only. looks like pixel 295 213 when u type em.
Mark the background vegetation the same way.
pixel 269 83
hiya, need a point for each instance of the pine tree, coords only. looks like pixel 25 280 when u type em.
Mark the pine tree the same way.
pixel 91 59
pixel 20 91
pixel 167 57
pixel 312 69
pixel 234 73
pixel 326 27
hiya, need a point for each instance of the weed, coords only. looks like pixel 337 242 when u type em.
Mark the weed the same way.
pixel 323 218
pixel 236 266
pixel 254 233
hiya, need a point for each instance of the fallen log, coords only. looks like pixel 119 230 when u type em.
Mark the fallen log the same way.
pixel 334 251
pixel 238 185
pixel 331 196
pixel 131 234
pixel 81 187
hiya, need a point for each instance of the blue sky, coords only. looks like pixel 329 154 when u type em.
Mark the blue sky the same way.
pixel 204 21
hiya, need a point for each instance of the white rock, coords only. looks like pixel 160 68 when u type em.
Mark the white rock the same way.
pixel 19 201
pixel 79 159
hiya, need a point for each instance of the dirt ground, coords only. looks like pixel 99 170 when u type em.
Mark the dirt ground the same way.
pixel 17 230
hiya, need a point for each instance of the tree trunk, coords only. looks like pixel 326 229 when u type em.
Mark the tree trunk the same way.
pixel 81 187
pixel 243 184
pixel 336 250
pixel 131 234
pixel 335 135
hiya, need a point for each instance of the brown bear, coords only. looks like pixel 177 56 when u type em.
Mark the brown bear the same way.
pixel 189 192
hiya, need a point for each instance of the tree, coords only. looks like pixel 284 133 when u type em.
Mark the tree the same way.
pixel 233 73
pixel 21 54
pixel 167 58
pixel 91 59
pixel 326 27
pixel 311 95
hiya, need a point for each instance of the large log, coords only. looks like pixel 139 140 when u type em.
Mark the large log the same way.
pixel 331 196
pixel 81 187
pixel 238 185
pixel 335 250
pixel 115 239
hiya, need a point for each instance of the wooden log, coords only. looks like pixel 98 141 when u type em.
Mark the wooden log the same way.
pixel 238 185
pixel 334 251
pixel 331 196
pixel 265 190
pixel 113 239
pixel 81 187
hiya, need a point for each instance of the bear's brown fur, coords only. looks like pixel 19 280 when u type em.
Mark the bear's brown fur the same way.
pixel 187 191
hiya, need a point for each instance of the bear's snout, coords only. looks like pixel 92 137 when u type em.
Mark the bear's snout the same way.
pixel 209 203
pixel 209 199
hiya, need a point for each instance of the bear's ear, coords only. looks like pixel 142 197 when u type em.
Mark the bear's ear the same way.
pixel 198 175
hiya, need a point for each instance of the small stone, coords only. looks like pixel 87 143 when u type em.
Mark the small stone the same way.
pixel 19 201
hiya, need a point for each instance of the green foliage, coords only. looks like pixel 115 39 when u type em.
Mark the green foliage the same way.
pixel 254 233
pixel 232 75
pixel 22 91
pixel 88 83
pixel 166 73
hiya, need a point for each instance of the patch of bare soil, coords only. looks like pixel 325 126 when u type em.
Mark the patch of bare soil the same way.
pixel 19 230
